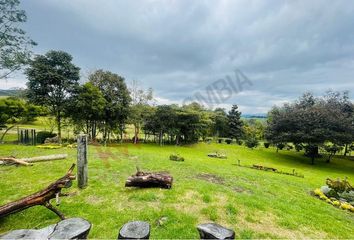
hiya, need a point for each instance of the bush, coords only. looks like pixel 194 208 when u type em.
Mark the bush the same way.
pixel 219 140
pixel 43 135
pixel 289 147
pixel 266 144
pixel 239 142
pixel 280 146
pixel 176 157
pixel 298 147
pixel 251 142
pixel 228 141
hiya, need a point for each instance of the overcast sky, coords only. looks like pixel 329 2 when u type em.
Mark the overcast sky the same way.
pixel 179 48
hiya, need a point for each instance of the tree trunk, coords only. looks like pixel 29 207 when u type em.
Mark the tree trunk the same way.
pixel 41 197
pixel 160 138
pixel 148 180
pixel 59 125
pixel 3 135
pixel 345 150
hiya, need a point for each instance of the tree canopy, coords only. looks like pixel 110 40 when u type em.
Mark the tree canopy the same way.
pixel 313 121
pixel 14 44
pixel 51 80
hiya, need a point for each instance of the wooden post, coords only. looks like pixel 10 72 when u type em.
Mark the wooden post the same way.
pixel 82 160
pixel 18 135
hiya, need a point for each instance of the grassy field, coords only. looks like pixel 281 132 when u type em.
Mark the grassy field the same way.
pixel 256 204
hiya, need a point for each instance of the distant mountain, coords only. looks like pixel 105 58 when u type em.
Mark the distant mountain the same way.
pixel 9 92
pixel 256 115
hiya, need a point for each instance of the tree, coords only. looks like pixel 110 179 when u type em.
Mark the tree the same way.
pixel 220 127
pixel 86 108
pixel 235 123
pixel 13 111
pixel 51 80
pixel 139 108
pixel 14 44
pixel 312 122
pixel 118 99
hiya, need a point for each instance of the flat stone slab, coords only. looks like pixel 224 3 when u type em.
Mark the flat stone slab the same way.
pixel 135 230
pixel 71 228
pixel 214 231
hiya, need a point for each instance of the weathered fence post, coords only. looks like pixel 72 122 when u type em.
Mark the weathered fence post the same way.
pixel 82 160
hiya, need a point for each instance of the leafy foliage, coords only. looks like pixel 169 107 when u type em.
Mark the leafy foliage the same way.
pixel 14 44
pixel 117 100
pixel 313 121
pixel 51 80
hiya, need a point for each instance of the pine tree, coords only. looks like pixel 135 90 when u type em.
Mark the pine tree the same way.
pixel 235 123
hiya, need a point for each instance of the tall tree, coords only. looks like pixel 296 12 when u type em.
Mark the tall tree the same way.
pixel 139 107
pixel 51 80
pixel 14 111
pixel 86 108
pixel 220 126
pixel 14 44
pixel 312 121
pixel 116 94
pixel 235 123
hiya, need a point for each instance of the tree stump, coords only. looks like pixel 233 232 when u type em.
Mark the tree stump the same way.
pixel 214 231
pixel 135 230
pixel 72 228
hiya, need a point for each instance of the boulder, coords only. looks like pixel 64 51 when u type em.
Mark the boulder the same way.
pixel 214 231
pixel 135 230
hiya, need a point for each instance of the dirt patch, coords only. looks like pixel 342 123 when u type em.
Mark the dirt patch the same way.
pixel 95 200
pixel 266 223
pixel 211 178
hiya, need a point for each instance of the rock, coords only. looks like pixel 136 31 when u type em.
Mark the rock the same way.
pixel 135 230
pixel 214 231
pixel 71 228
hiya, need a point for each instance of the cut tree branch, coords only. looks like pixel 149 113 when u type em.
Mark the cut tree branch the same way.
pixel 28 161
pixel 41 197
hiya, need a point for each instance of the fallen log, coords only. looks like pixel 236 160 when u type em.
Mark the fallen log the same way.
pixel 12 160
pixel 149 180
pixel 27 161
pixel 41 197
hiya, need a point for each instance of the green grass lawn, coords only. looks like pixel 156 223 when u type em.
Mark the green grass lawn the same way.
pixel 256 204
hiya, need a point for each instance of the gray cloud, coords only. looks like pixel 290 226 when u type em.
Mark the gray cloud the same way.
pixel 179 47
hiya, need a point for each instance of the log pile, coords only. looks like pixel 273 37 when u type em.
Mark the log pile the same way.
pixel 149 180
pixel 29 161
pixel 41 197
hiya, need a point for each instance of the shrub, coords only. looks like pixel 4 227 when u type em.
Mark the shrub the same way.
pixel 289 147
pixel 280 146
pixel 239 142
pixel 219 140
pixel 43 135
pixel 298 147
pixel 266 144
pixel 176 157
pixel 228 141
pixel 251 142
